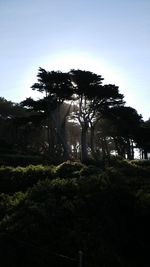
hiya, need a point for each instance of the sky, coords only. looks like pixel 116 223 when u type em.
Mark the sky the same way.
pixel 108 37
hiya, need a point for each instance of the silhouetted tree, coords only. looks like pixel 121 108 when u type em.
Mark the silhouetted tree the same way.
pixel 85 86
pixel 93 100
pixel 143 138
pixel 105 98
pixel 125 123
pixel 10 114
pixel 57 88
pixel 79 96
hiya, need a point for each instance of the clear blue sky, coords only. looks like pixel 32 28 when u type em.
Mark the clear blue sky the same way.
pixel 109 37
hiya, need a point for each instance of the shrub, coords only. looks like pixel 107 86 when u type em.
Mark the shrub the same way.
pixel 63 215
pixel 90 170
pixel 20 178
pixel 141 162
pixel 117 161
pixel 68 169
pixel 97 163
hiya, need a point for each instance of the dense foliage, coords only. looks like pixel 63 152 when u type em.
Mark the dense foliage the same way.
pixel 62 193
pixel 77 117
pixel 48 214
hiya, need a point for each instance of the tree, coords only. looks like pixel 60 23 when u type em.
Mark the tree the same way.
pixel 106 98
pixel 93 100
pixel 57 88
pixel 73 137
pixel 84 82
pixel 143 138
pixel 10 114
pixel 80 97
pixel 125 122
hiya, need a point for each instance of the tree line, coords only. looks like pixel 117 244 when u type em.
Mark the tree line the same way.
pixel 76 117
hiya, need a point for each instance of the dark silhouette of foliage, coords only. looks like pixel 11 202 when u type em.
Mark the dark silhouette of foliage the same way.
pixel 77 117
pixel 125 124
pixel 102 213
pixel 143 139
pixel 99 205
pixel 93 101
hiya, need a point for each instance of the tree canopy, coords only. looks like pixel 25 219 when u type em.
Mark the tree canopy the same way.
pixel 80 100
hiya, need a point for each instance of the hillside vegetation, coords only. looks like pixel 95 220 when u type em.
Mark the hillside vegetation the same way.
pixel 49 213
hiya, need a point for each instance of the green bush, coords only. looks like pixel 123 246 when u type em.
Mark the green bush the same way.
pixel 69 169
pixel 117 161
pixel 64 215
pixel 97 163
pixel 90 170
pixel 9 204
pixel 135 170
pixel 141 162
pixel 21 178
pixel 106 214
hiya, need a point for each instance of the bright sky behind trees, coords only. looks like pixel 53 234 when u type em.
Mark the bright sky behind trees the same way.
pixel 108 37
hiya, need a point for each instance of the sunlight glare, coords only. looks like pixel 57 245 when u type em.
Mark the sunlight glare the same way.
pixel 65 61
pixel 83 61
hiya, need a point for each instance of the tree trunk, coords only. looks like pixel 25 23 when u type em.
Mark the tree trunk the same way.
pixel 103 149
pixel 129 148
pixel 119 147
pixel 60 127
pixel 66 154
pixel 132 148
pixel 84 154
pixel 92 142
pixel 106 148
pixel 49 138
pixel 145 154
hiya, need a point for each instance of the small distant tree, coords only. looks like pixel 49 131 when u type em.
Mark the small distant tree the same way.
pixel 10 135
pixel 143 139
pixel 125 122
